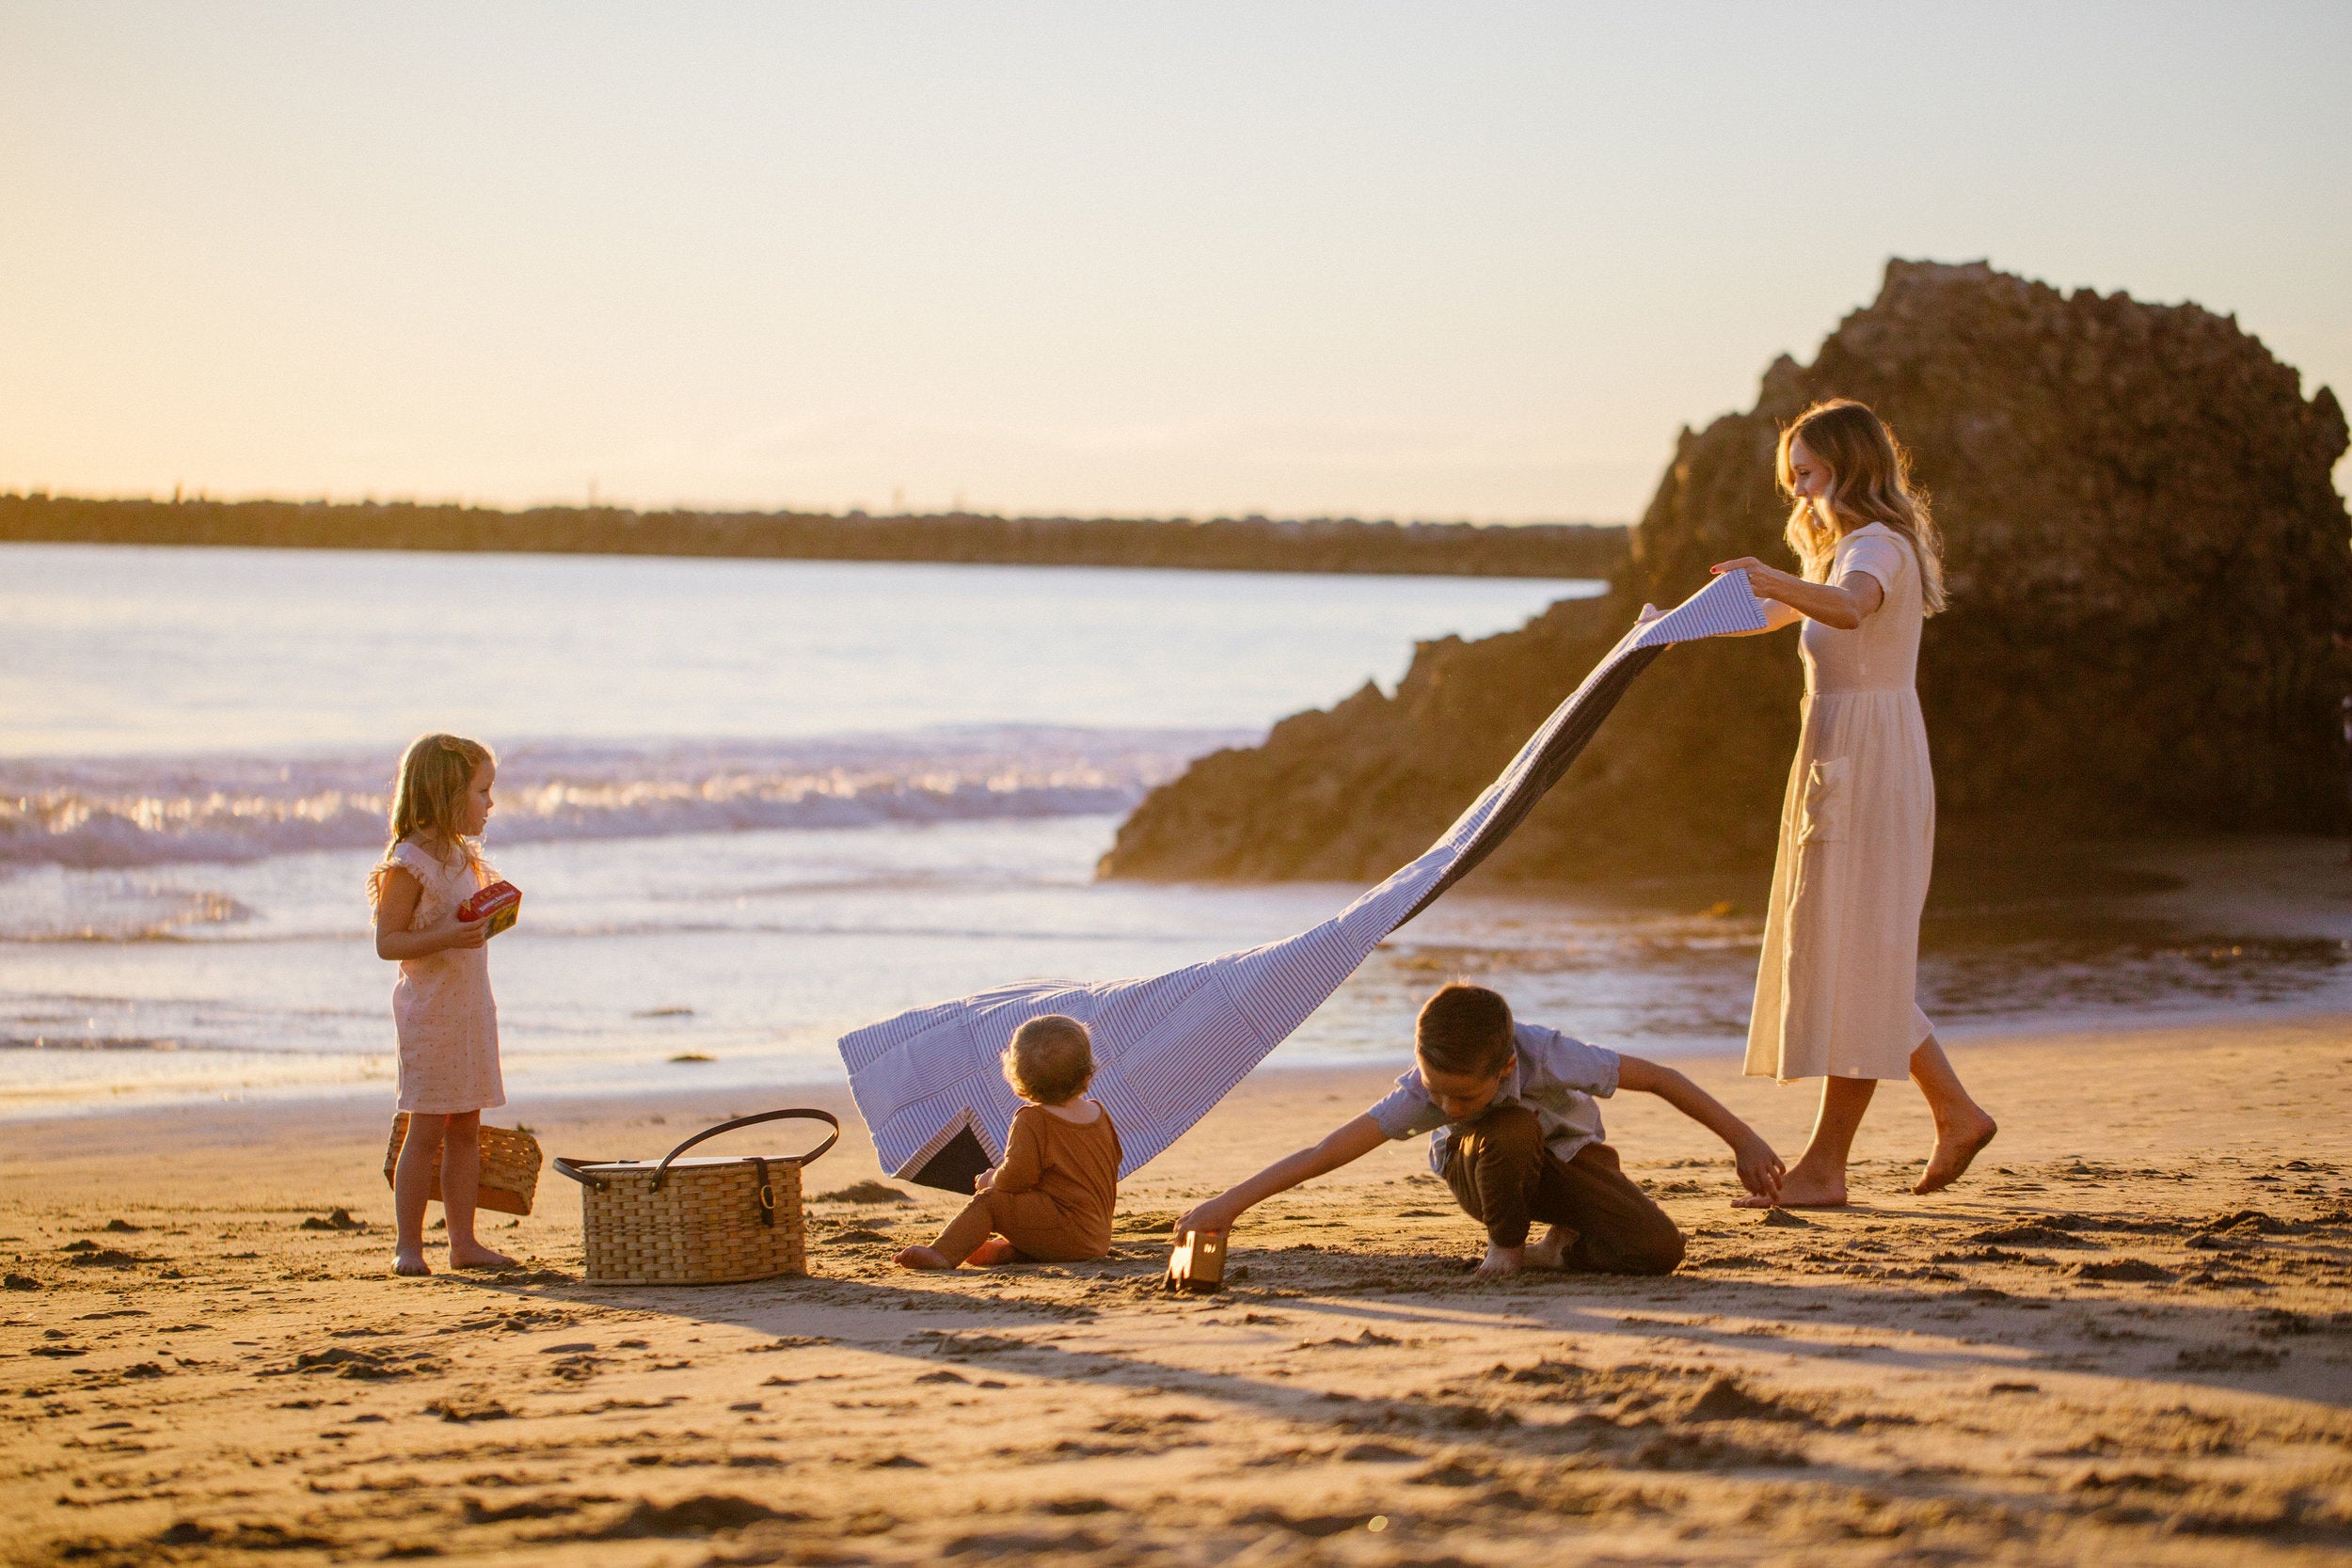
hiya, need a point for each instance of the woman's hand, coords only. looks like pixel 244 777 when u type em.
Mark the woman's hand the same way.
pixel 979 1183
pixel 1763 580
pixel 1760 1170
pixel 1843 609
pixel 1218 1213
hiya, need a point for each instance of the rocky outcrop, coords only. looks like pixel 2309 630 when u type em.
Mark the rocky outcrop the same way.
pixel 2146 560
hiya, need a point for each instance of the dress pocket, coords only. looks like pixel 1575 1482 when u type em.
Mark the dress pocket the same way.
pixel 1828 802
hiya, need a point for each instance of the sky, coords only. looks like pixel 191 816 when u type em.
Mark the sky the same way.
pixel 1412 260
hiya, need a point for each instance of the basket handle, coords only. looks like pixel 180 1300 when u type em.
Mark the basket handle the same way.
pixel 564 1167
pixel 661 1172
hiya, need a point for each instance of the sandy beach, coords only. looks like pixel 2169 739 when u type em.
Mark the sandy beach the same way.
pixel 2126 1339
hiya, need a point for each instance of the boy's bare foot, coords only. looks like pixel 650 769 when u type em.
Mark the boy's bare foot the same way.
pixel 1500 1262
pixel 1801 1188
pixel 993 1251
pixel 922 1258
pixel 1549 1252
pixel 410 1261
pixel 1955 1147
pixel 476 1256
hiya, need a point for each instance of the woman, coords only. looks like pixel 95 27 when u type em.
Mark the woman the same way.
pixel 1834 995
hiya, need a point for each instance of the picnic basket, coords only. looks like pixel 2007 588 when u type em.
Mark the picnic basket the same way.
pixel 510 1166
pixel 711 1220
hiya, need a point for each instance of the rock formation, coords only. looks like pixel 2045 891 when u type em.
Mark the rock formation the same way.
pixel 2146 556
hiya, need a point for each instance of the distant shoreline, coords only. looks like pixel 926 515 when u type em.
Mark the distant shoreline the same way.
pixel 1224 543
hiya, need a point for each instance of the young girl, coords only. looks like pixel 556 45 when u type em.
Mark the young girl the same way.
pixel 1836 992
pixel 448 1023
pixel 1051 1201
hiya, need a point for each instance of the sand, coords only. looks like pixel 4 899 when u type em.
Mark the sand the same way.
pixel 2126 1339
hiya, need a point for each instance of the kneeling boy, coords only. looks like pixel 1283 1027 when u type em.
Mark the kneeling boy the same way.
pixel 1515 1133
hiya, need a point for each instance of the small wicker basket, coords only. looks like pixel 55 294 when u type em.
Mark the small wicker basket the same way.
pixel 707 1221
pixel 510 1166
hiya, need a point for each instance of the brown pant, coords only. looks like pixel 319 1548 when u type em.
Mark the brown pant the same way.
pixel 1034 1224
pixel 1503 1176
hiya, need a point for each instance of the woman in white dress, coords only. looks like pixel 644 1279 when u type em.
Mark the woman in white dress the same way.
pixel 1836 995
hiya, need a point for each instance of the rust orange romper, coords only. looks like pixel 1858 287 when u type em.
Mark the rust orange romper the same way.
pixel 1052 1198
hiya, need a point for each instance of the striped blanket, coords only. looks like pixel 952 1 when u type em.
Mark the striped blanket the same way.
pixel 1170 1047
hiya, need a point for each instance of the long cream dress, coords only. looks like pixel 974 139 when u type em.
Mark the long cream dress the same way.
pixel 1837 992
pixel 441 1005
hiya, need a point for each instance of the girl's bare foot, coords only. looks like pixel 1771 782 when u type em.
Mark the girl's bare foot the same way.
pixel 410 1261
pixel 475 1256
pixel 1548 1252
pixel 1802 1188
pixel 993 1251
pixel 922 1258
pixel 1955 1147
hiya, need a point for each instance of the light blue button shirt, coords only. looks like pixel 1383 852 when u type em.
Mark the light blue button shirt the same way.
pixel 1556 1076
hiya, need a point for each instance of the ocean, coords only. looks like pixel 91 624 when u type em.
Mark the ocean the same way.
pixel 754 804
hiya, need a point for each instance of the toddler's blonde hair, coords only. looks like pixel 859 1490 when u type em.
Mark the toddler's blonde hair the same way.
pixel 1051 1060
pixel 434 773
pixel 1869 481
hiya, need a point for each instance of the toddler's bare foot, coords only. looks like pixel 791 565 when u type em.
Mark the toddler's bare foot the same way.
pixel 922 1258
pixel 1802 1188
pixel 993 1251
pixel 1550 1252
pixel 475 1256
pixel 1955 1147
pixel 410 1261
pixel 1500 1262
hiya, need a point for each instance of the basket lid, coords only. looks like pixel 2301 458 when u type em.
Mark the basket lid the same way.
pixel 626 1167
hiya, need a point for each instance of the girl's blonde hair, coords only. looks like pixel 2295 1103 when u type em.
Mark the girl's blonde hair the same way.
pixel 434 773
pixel 1869 481
pixel 1051 1060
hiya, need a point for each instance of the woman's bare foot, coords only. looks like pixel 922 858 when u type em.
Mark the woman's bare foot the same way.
pixel 922 1258
pixel 1955 1147
pixel 1548 1252
pixel 993 1251
pixel 475 1256
pixel 410 1261
pixel 1802 1188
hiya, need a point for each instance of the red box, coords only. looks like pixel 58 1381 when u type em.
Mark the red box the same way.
pixel 501 901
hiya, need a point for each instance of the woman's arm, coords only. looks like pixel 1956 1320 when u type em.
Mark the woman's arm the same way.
pixel 396 906
pixel 1760 1170
pixel 1348 1142
pixel 1777 617
pixel 1843 608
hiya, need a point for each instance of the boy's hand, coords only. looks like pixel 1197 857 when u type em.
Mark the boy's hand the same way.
pixel 1760 1170
pixel 1218 1213
pixel 1500 1262
pixel 980 1183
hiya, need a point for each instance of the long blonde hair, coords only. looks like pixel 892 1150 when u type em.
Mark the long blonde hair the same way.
pixel 435 772
pixel 1869 481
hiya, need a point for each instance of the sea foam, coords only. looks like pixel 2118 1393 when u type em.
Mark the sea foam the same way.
pixel 115 812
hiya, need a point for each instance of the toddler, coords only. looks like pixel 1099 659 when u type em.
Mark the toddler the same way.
pixel 1050 1202
pixel 448 1023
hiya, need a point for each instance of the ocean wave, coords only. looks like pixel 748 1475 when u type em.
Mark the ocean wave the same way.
pixel 117 812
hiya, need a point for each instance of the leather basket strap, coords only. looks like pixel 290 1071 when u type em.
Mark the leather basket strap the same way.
pixel 661 1172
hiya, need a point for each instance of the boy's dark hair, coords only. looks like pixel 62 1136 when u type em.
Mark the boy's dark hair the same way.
pixel 1051 1060
pixel 1464 1029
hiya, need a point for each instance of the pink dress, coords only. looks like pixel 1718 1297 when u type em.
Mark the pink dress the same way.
pixel 448 1021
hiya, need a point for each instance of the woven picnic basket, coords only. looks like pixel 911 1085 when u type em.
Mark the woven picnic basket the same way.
pixel 711 1220
pixel 510 1166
